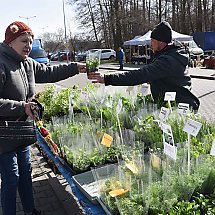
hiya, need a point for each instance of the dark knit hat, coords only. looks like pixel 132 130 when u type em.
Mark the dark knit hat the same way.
pixel 162 32
pixel 14 30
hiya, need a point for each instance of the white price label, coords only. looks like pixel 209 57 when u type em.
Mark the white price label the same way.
pixel 119 106
pixel 183 109
pixel 213 149
pixel 164 113
pixel 103 100
pixel 192 127
pixel 144 89
pixel 168 140
pixel 129 88
pixel 170 96
pixel 70 102
pixel 170 151
pixel 109 104
pixel 85 95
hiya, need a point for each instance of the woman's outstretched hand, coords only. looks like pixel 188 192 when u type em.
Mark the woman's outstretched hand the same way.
pixel 96 77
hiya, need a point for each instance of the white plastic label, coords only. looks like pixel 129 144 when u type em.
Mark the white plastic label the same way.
pixel 164 113
pixel 170 96
pixel 144 89
pixel 183 109
pixel 119 106
pixel 168 140
pixel 70 102
pixel 192 127
pixel 213 149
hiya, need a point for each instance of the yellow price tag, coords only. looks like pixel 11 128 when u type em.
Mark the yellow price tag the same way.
pixel 155 161
pixel 132 167
pixel 118 192
pixel 107 140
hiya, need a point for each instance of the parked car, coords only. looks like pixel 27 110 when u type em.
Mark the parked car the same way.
pixel 61 56
pixel 81 56
pixel 106 54
pixel 209 62
pixel 39 55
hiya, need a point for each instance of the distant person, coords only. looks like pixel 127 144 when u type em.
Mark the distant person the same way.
pixel 72 56
pixel 18 75
pixel 167 71
pixel 58 56
pixel 121 57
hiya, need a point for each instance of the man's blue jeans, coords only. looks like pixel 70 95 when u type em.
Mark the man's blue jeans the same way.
pixel 15 169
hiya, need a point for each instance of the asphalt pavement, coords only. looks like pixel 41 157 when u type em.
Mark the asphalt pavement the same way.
pixel 52 193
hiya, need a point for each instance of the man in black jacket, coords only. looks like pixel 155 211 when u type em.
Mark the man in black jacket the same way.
pixel 167 72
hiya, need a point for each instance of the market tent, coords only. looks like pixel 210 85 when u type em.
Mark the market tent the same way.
pixel 181 37
pixel 140 40
pixel 145 39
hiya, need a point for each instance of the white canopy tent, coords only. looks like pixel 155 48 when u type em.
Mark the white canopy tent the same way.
pixel 139 40
pixel 145 39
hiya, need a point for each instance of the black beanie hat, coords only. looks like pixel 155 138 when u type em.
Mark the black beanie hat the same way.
pixel 162 32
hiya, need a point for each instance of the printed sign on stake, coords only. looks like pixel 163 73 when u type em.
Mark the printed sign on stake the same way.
pixel 183 109
pixel 119 106
pixel 144 89
pixel 192 127
pixel 70 103
pixel 168 140
pixel 129 88
pixel 155 161
pixel 118 192
pixel 164 113
pixel 107 140
pixel 170 96
pixel 213 149
pixel 130 165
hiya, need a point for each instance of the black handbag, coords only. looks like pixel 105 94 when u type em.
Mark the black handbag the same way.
pixel 15 135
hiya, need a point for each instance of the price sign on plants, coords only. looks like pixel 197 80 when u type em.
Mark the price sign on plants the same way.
pixel 192 127
pixel 213 149
pixel 119 106
pixel 144 89
pixel 70 103
pixel 164 113
pixel 118 192
pixel 183 109
pixel 169 145
pixel 107 140
pixel 132 167
pixel 170 96
pixel 155 161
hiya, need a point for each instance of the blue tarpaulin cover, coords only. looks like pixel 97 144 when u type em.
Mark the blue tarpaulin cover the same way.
pixel 88 206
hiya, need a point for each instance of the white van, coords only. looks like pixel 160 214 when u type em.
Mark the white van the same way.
pixel 194 50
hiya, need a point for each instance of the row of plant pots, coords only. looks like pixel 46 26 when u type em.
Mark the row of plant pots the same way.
pixel 147 180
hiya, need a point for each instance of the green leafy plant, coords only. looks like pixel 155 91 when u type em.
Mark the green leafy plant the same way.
pixel 92 64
